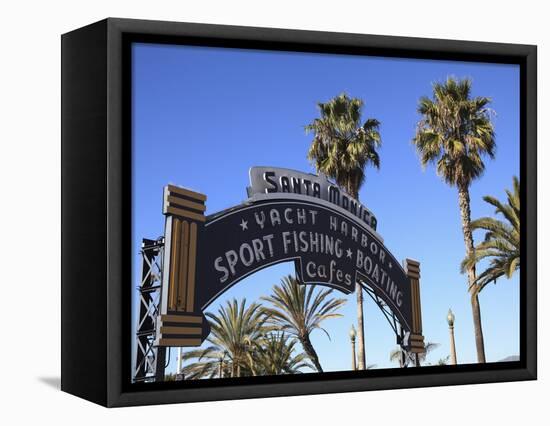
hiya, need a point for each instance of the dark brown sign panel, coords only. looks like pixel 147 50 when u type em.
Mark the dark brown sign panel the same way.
pixel 329 246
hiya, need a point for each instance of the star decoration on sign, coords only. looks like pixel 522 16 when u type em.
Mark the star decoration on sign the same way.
pixel 244 224
pixel 349 253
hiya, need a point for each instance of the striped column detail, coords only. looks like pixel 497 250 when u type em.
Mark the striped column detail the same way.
pixel 184 203
pixel 416 343
pixel 416 339
pixel 181 330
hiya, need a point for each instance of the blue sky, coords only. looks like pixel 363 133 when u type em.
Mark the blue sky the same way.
pixel 203 116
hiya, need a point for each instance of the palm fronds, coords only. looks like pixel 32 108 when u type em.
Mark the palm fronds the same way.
pixel 232 329
pixel 501 244
pixel 396 354
pixel 342 147
pixel 275 354
pixel 299 310
pixel 455 132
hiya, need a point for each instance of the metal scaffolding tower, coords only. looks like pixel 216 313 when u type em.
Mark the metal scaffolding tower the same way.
pixel 150 360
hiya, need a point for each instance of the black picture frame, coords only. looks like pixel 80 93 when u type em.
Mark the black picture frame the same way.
pixel 96 226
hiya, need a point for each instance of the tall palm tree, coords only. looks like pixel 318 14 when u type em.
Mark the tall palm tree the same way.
pixel 454 133
pixel 299 310
pixel 233 327
pixel 274 354
pixel 342 147
pixel 502 242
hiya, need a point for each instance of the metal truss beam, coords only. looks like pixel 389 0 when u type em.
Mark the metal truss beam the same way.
pixel 150 360
pixel 407 358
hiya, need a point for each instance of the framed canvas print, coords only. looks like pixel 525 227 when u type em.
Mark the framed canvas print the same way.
pixel 254 212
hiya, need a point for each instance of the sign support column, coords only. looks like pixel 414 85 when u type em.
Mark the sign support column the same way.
pixel 416 339
pixel 181 323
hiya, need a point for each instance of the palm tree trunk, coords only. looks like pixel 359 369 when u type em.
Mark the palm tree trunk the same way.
pixel 464 203
pixel 310 352
pixel 361 358
pixel 234 368
pixel 353 190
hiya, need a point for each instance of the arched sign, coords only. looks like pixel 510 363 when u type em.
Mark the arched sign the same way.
pixel 289 217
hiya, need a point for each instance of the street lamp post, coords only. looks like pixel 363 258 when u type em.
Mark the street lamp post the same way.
pixel 179 370
pixel 352 335
pixel 451 322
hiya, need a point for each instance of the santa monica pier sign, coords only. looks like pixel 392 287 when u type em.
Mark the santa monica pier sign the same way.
pixel 289 216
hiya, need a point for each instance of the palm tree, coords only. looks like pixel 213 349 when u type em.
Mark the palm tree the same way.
pixel 232 329
pixel 501 244
pixel 299 310
pixel 454 133
pixel 341 146
pixel 443 361
pixel 395 355
pixel 341 149
pixel 274 354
